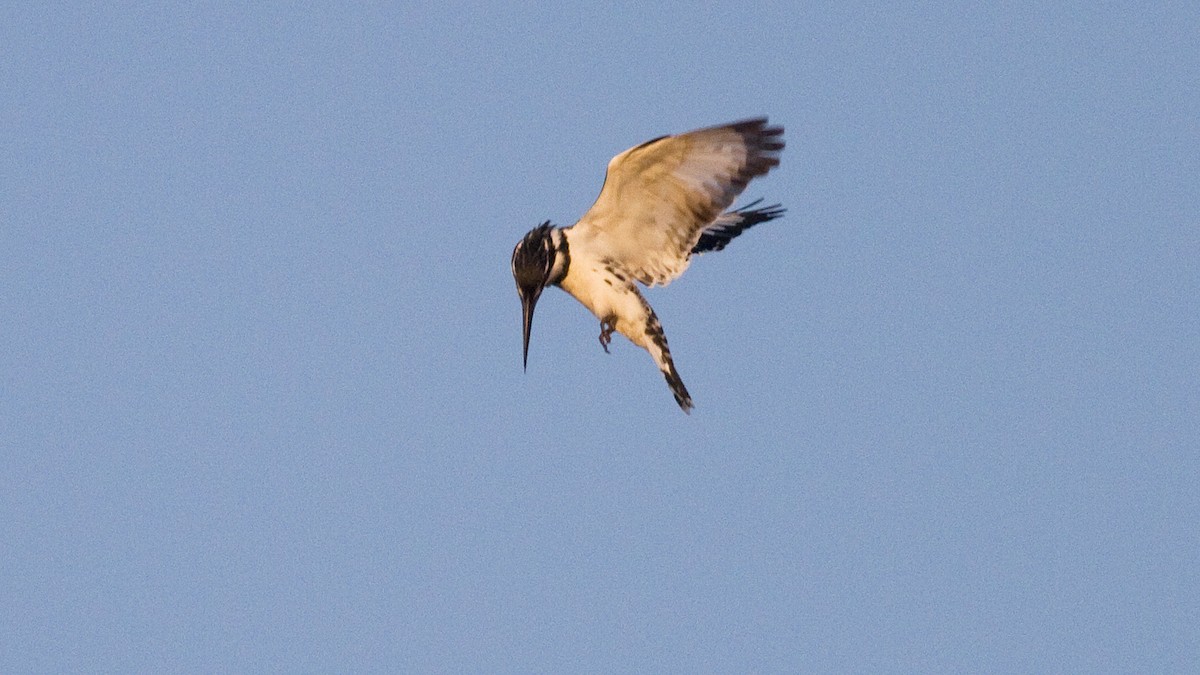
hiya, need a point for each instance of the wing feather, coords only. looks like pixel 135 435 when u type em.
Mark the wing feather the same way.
pixel 732 223
pixel 660 197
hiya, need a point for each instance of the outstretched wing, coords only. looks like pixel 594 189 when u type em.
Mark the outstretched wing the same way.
pixel 660 197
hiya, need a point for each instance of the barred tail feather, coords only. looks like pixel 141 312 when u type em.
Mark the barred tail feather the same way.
pixel 662 358
pixel 681 393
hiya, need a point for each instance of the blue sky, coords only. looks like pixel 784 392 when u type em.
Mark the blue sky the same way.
pixel 262 399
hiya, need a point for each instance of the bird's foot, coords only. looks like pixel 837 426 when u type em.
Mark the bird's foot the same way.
pixel 606 331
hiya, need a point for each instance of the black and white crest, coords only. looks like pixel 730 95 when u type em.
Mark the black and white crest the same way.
pixel 534 257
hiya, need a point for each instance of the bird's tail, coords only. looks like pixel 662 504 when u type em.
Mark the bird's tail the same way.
pixel 682 397
pixel 662 358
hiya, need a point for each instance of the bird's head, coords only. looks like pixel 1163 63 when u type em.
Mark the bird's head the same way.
pixel 539 259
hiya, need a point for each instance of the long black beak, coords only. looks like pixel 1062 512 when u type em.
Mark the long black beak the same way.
pixel 528 302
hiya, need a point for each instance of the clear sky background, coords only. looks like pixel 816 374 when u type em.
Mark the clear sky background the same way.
pixel 262 404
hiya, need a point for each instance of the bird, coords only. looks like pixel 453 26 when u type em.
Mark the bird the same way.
pixel 661 203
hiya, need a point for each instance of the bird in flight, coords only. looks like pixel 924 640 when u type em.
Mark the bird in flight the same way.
pixel 662 202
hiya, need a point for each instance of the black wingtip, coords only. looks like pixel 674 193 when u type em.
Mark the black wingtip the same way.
pixel 719 236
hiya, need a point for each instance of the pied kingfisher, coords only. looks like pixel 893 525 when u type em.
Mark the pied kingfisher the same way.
pixel 662 201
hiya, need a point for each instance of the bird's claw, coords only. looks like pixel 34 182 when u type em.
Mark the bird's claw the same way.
pixel 606 331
